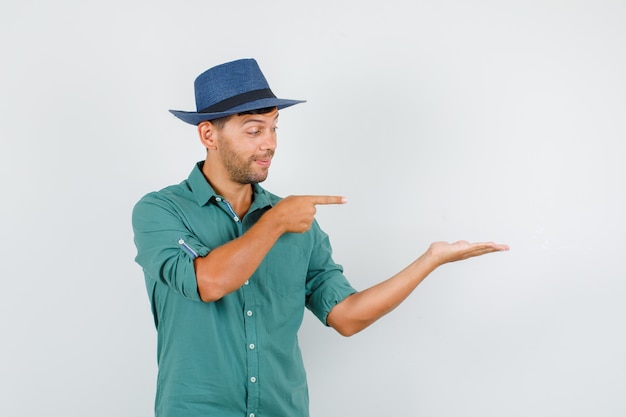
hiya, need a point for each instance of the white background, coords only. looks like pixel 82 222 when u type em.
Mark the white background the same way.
pixel 439 120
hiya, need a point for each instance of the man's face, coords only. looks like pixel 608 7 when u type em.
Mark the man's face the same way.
pixel 246 145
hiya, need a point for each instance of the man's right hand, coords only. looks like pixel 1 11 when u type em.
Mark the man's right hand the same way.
pixel 295 214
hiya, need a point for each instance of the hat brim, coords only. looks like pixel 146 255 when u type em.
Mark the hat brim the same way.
pixel 196 118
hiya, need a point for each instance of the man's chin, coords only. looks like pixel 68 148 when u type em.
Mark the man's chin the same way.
pixel 262 178
pixel 255 179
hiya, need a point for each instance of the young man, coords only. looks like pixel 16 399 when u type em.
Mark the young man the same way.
pixel 230 267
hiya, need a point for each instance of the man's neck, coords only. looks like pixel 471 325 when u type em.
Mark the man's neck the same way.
pixel 238 195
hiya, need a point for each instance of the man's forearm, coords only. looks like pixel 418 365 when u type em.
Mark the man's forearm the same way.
pixel 227 267
pixel 363 308
pixel 359 310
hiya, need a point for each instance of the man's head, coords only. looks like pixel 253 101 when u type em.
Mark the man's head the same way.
pixel 231 88
pixel 240 147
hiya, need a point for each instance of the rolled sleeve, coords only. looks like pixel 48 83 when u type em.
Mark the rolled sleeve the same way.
pixel 326 284
pixel 166 248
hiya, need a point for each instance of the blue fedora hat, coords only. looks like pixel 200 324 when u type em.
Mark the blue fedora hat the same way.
pixel 231 88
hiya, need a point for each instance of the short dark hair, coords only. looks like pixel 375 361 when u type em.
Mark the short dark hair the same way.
pixel 221 121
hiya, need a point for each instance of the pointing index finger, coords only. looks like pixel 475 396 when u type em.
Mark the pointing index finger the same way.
pixel 328 199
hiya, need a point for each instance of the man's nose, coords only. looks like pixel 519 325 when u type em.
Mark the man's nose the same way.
pixel 269 140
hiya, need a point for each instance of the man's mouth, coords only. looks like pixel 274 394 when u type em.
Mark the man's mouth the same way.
pixel 264 160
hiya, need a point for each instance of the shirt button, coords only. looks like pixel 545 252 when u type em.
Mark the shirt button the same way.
pixel 251 414
pixel 236 218
pixel 249 313
pixel 251 346
pixel 253 380
pixel 218 199
pixel 246 283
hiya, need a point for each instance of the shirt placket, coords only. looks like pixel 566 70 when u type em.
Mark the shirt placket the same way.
pixel 250 317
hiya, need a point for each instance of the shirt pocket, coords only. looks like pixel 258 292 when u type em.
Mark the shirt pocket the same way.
pixel 284 270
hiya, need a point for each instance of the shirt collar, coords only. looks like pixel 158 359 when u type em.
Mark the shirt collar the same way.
pixel 203 192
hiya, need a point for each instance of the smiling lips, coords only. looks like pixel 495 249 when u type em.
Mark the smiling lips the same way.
pixel 264 160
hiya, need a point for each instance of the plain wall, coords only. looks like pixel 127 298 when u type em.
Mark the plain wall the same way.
pixel 439 120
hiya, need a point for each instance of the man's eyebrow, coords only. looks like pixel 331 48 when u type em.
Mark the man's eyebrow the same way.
pixel 253 120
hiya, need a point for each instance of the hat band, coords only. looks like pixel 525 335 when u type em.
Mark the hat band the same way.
pixel 237 100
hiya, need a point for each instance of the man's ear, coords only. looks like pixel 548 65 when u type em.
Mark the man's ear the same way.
pixel 208 135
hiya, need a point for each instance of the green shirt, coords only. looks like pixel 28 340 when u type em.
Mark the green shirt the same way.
pixel 238 356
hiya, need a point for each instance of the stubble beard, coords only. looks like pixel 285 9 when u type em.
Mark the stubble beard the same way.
pixel 240 169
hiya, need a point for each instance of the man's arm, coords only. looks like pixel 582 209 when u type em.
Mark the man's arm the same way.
pixel 227 267
pixel 359 310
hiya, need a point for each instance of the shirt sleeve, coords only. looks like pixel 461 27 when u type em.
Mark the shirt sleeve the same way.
pixel 166 248
pixel 326 285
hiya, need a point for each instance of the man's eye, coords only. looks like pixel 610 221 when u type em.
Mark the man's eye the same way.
pixel 257 132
